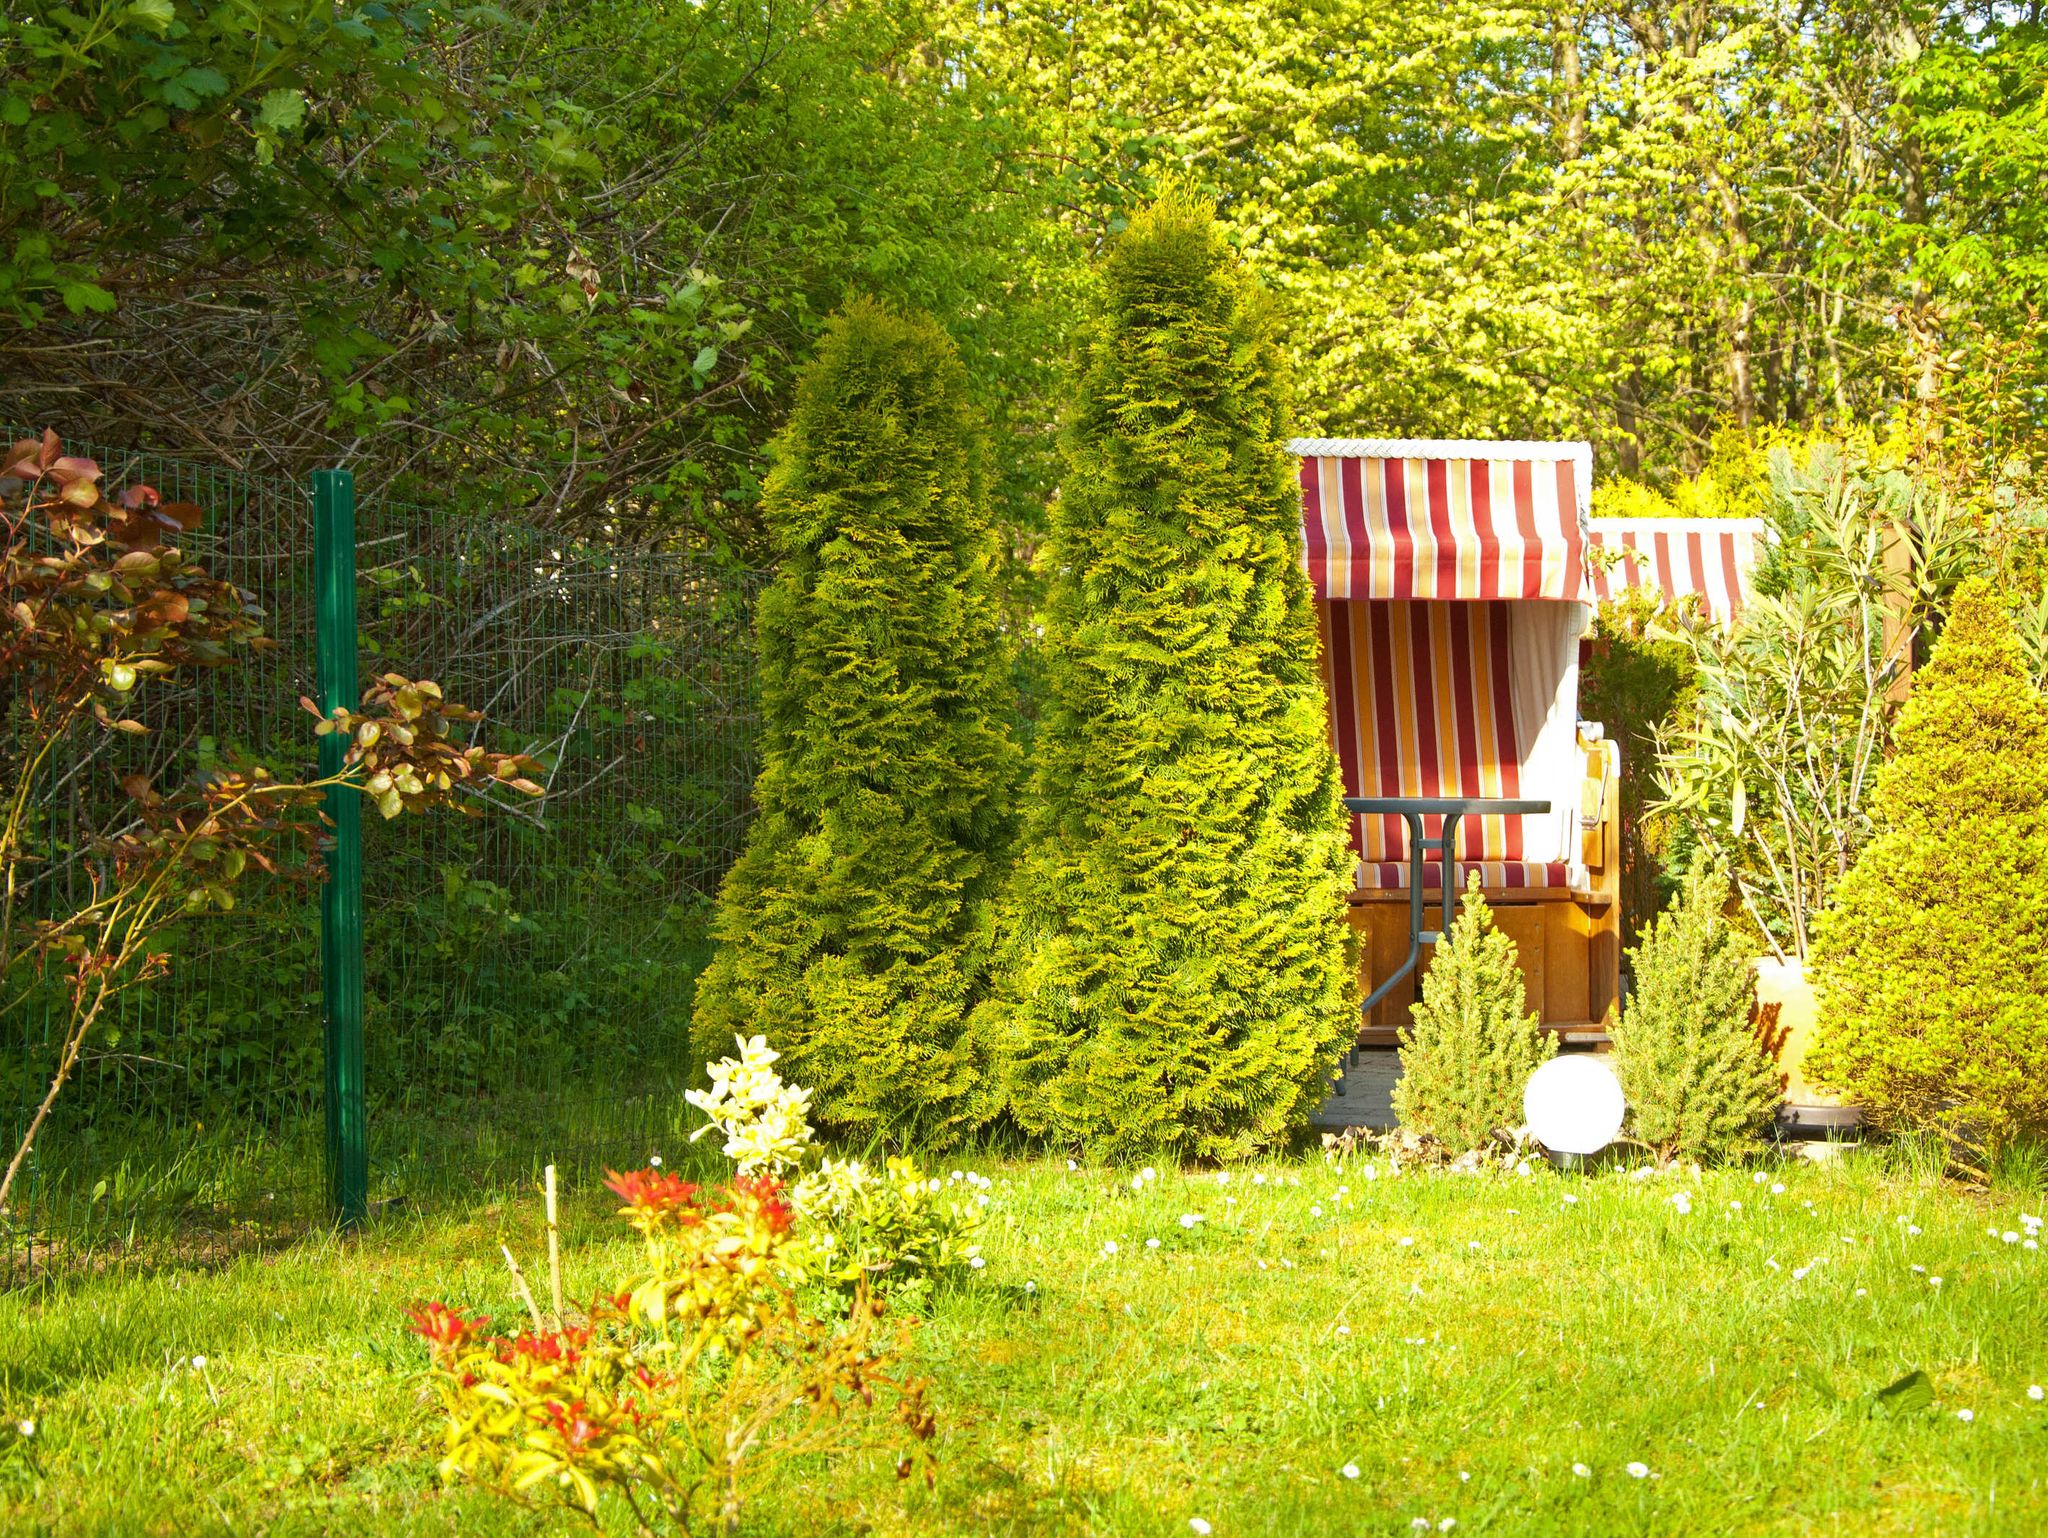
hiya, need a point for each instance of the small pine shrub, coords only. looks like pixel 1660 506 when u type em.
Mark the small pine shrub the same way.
pixel 1932 965
pixel 1473 1043
pixel 1179 977
pixel 855 930
pixel 1698 1081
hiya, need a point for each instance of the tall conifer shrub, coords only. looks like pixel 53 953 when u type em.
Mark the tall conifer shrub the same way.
pixel 854 932
pixel 1932 965
pixel 1179 972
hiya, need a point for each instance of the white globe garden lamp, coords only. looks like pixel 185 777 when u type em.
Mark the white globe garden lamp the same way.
pixel 1574 1106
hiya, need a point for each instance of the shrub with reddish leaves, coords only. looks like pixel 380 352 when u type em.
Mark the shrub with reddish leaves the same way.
pixel 701 1373
pixel 101 607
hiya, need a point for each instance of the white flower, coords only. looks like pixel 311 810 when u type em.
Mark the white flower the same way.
pixel 977 1263
pixel 1772 1264
pixel 1345 1329
pixel 1420 1524
pixel 1570 1200
pixel 1579 1470
pixel 1735 1206
pixel 199 1364
pixel 1759 1178
pixel 1934 1281
pixel 1349 1471
pixel 2010 1236
pixel 1199 1526
pixel 1966 1416
pixel 1464 1478
pixel 2030 1223
pixel 28 1427
pixel 2033 1393
pixel 1639 1471
pixel 1072 1165
pixel 1223 1177
pixel 1315 1211
pixel 1370 1172
pixel 1031 1286
pixel 1151 1244
pixel 1447 1524
pixel 1799 1273
pixel 1523 1168
pixel 1921 1269
pixel 1259 1179
pixel 1777 1188
pixel 2029 1244
pixel 1343 1190
pixel 655 1160
pixel 1913 1228
pixel 1109 1246
pixel 1137 1182
pixel 1404 1241
pixel 765 1121
pixel 1472 1244
pixel 1190 1219
pixel 1862 1293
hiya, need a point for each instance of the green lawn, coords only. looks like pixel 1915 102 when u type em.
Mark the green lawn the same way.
pixel 1323 1353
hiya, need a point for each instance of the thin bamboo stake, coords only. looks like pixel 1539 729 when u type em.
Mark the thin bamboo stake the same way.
pixel 525 1292
pixel 554 1249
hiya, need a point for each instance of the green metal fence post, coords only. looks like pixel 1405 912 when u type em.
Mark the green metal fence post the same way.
pixel 341 898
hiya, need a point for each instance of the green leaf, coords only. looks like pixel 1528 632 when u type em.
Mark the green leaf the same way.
pixel 81 297
pixel 707 360
pixel 1912 1393
pixel 283 110
pixel 157 15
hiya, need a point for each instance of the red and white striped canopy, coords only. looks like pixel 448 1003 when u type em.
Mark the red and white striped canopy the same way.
pixel 1445 519
pixel 1713 557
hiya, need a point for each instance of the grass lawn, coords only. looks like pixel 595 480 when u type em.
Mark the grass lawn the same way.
pixel 1323 1353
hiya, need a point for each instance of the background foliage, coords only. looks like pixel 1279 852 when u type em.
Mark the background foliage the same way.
pixel 565 260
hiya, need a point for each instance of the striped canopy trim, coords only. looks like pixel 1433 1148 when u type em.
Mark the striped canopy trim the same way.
pixel 1714 558
pixel 1422 704
pixel 1494 875
pixel 1443 520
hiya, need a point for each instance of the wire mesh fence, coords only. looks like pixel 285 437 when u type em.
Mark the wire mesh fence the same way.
pixel 528 970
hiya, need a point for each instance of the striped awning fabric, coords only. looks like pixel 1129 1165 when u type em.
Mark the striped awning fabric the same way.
pixel 1712 557
pixel 1424 702
pixel 1444 519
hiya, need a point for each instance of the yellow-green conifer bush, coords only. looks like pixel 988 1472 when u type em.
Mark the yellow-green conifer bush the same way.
pixel 1472 1041
pixel 1697 1079
pixel 1932 965
pixel 854 931
pixel 1178 976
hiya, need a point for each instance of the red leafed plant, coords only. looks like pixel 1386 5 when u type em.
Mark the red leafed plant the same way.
pixel 100 604
pixel 698 1377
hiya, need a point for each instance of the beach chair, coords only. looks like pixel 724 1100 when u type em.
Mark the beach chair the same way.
pixel 1452 584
